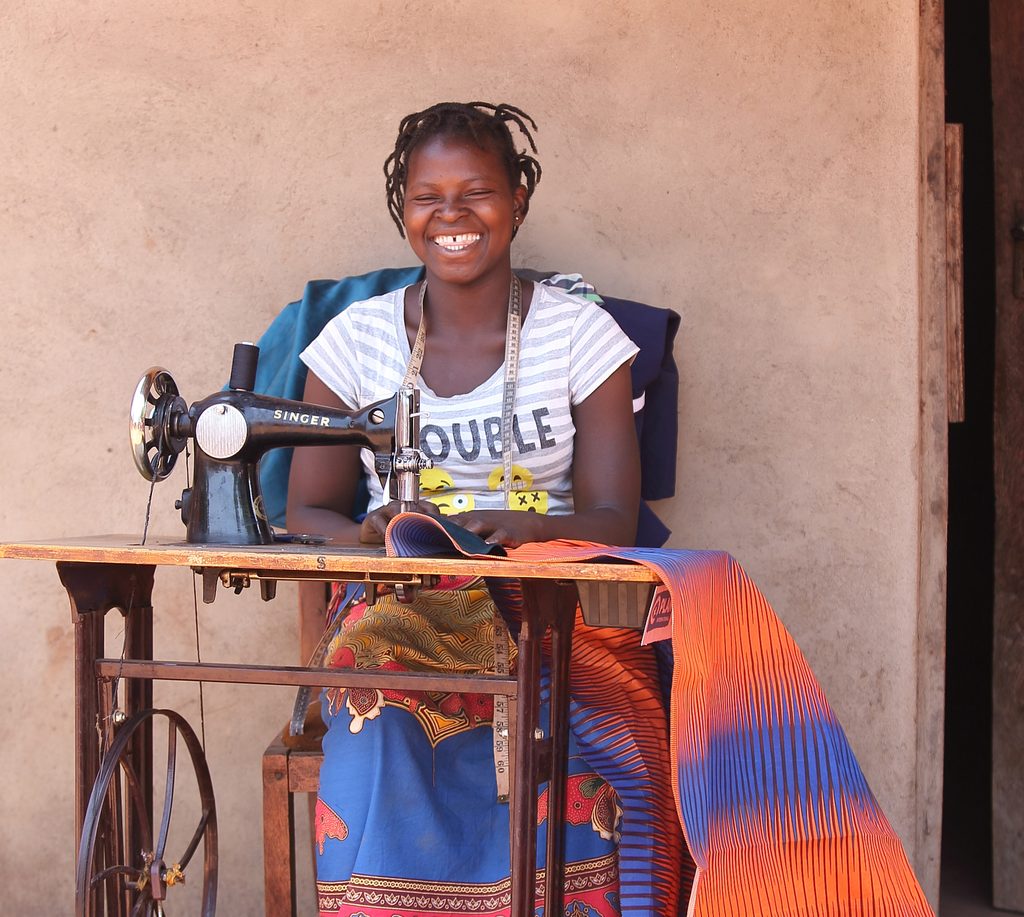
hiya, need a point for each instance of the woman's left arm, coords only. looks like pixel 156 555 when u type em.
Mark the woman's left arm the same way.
pixel 605 478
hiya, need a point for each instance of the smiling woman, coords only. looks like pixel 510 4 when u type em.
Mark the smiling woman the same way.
pixel 527 413
pixel 460 212
pixel 452 119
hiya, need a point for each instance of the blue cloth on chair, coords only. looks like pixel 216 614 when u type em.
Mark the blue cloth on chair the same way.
pixel 281 374
pixel 656 382
pixel 655 406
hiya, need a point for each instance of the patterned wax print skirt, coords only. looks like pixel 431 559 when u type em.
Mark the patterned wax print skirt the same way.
pixel 408 819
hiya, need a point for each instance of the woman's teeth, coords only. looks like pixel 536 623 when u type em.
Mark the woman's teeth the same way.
pixel 456 243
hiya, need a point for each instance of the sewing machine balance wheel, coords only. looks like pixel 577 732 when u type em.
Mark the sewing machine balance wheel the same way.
pixel 122 868
pixel 157 424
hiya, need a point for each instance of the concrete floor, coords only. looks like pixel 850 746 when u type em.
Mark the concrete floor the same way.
pixel 966 889
pixel 966 896
pixel 964 903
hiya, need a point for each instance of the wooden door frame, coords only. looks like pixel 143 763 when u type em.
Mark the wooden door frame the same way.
pixel 933 469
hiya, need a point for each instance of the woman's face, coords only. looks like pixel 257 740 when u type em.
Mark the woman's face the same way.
pixel 460 210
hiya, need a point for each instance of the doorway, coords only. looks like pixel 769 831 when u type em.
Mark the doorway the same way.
pixel 967 799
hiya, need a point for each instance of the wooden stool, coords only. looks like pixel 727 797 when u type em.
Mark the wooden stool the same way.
pixel 286 770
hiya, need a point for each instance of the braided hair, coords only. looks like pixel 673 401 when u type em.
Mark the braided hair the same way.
pixel 484 124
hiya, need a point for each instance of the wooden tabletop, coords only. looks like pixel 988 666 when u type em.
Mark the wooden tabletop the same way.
pixel 305 561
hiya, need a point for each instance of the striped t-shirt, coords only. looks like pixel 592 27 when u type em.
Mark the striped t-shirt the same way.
pixel 569 346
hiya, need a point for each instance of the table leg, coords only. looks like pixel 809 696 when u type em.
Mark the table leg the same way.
pixel 565 600
pixel 94 589
pixel 540 759
pixel 138 695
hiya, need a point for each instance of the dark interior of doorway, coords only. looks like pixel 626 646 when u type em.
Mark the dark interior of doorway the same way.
pixel 966 830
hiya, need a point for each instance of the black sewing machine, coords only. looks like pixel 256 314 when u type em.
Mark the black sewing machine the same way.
pixel 233 428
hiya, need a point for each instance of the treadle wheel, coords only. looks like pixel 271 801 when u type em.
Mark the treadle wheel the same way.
pixel 114 880
pixel 153 423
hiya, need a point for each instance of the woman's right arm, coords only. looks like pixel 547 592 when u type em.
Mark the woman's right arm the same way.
pixel 323 481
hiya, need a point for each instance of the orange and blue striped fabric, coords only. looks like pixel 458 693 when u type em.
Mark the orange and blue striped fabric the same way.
pixel 775 811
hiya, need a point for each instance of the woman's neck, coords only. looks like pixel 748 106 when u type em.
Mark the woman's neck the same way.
pixel 480 306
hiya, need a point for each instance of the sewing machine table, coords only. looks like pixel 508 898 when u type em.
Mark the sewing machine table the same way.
pixel 115 571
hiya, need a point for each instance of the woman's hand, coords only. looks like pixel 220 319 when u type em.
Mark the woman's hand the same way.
pixel 501 526
pixel 375 524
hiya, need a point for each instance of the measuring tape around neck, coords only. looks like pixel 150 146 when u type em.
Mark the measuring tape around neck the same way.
pixel 513 331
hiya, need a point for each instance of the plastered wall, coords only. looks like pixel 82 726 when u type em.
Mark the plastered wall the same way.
pixel 173 173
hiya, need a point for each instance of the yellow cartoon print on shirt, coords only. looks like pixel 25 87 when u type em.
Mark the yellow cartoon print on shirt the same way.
pixel 434 482
pixel 520 497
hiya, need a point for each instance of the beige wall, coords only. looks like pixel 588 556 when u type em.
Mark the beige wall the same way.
pixel 174 173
